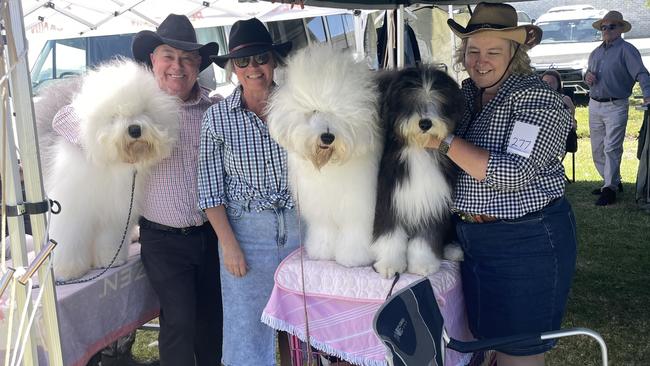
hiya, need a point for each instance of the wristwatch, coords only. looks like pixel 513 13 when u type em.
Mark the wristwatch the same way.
pixel 445 144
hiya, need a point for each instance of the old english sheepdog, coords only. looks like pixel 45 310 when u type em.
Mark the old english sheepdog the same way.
pixel 126 125
pixel 325 115
pixel 414 193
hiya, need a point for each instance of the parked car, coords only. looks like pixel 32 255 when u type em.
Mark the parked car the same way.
pixel 523 18
pixel 567 41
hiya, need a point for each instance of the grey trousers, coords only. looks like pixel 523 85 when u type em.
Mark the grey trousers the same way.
pixel 607 123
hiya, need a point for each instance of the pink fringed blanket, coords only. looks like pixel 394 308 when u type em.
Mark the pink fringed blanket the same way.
pixel 341 303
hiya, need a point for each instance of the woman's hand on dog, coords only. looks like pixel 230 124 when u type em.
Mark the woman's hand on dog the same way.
pixel 233 258
pixel 432 143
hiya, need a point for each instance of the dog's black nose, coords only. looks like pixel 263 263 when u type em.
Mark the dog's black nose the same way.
pixel 135 131
pixel 327 138
pixel 425 124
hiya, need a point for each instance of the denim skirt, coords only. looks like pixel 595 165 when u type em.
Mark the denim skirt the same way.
pixel 517 274
pixel 266 238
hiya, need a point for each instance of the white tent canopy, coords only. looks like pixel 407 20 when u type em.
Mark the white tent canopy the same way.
pixel 57 19
pixel 73 18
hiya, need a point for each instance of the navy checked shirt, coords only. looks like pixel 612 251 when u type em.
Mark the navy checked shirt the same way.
pixel 238 159
pixel 514 185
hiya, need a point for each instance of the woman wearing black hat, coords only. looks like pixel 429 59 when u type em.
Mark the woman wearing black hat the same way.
pixel 515 226
pixel 244 191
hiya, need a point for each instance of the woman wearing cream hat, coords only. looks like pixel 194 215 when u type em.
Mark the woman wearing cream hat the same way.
pixel 515 226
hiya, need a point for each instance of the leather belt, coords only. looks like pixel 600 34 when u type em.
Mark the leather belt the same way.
pixel 144 223
pixel 476 219
pixel 605 100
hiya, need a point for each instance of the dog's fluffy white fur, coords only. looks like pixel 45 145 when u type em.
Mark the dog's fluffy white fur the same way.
pixel 127 124
pixel 413 218
pixel 325 115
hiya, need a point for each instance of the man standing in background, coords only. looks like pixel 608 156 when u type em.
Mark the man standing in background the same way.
pixel 614 67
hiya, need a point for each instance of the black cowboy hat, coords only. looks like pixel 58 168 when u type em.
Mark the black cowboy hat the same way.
pixel 175 31
pixel 501 20
pixel 248 38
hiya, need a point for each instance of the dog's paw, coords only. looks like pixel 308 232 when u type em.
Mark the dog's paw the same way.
pixel 66 273
pixel 105 263
pixel 421 258
pixel 319 251
pixel 388 268
pixel 453 252
pixel 354 261
pixel 354 255
pixel 424 268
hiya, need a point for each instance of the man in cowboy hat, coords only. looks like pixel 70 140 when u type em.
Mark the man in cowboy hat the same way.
pixel 614 67
pixel 179 248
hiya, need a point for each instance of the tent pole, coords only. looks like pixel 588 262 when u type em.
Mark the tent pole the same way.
pixel 453 44
pixel 400 37
pixel 26 131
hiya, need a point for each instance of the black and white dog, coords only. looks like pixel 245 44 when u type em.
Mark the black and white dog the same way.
pixel 412 217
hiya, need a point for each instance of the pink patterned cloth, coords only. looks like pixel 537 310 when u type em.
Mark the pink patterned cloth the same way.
pixel 341 302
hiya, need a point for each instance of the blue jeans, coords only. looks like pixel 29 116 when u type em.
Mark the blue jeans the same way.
pixel 266 238
pixel 517 274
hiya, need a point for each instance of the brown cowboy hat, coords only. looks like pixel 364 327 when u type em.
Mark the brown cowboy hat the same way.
pixel 613 17
pixel 177 32
pixel 248 38
pixel 500 19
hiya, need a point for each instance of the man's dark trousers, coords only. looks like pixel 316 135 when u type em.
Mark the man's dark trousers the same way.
pixel 184 272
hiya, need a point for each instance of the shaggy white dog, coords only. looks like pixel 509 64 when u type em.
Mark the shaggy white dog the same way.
pixel 325 115
pixel 127 124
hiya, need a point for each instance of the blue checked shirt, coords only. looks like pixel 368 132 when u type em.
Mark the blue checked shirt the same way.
pixel 238 159
pixel 514 185
pixel 617 67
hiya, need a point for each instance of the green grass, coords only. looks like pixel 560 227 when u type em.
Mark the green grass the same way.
pixel 143 350
pixel 611 290
pixel 610 293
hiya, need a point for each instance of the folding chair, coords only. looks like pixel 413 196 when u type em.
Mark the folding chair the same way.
pixel 571 148
pixel 411 326
pixel 573 168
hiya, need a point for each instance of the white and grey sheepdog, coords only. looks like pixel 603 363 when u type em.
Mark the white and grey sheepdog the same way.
pixel 413 218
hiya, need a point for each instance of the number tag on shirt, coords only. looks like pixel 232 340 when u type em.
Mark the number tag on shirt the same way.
pixel 522 139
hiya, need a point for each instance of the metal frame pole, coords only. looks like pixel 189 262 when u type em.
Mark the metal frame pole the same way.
pixel 400 37
pixel 21 88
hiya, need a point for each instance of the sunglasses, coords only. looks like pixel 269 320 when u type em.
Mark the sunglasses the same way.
pixel 261 59
pixel 605 27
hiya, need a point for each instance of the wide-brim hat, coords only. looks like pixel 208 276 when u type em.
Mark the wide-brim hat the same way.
pixel 614 17
pixel 177 32
pixel 247 38
pixel 501 19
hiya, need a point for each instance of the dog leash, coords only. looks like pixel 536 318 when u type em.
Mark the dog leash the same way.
pixel 302 277
pixel 126 228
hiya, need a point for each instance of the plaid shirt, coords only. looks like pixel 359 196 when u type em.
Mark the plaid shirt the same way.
pixel 170 195
pixel 514 185
pixel 238 159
